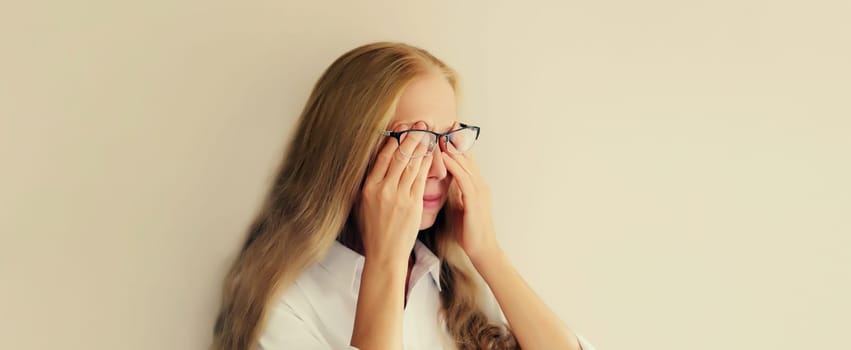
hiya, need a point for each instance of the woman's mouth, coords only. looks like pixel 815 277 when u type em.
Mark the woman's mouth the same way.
pixel 432 201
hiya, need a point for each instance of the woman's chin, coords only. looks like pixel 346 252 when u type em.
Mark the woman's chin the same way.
pixel 427 220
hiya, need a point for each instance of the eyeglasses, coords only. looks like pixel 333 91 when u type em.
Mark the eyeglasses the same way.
pixel 457 141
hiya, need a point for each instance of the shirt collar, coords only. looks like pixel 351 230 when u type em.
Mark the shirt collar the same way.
pixel 346 265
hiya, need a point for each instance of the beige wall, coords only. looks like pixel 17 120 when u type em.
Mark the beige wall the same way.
pixel 666 174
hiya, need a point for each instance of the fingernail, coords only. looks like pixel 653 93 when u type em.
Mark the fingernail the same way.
pixel 401 127
pixel 420 125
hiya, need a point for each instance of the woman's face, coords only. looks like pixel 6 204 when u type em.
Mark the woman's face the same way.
pixel 430 99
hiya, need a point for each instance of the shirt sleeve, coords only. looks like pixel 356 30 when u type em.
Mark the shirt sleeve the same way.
pixel 285 329
pixel 496 313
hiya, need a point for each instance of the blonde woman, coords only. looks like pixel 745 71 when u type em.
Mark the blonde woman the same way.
pixel 377 230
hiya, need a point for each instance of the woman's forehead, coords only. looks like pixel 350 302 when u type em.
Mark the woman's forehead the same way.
pixel 429 98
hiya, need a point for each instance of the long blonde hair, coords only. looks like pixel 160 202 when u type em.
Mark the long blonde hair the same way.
pixel 310 202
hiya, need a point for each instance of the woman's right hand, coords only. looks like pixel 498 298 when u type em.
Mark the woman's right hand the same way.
pixel 391 202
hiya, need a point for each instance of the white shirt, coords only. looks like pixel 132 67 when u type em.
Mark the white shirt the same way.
pixel 318 310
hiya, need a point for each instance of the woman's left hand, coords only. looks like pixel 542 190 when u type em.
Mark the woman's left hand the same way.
pixel 469 210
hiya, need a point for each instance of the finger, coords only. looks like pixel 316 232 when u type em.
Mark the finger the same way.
pixel 447 146
pixel 462 162
pixel 382 161
pixel 454 194
pixel 401 157
pixel 409 147
pixel 397 160
pixel 464 179
pixel 414 165
pixel 470 163
pixel 418 189
pixel 468 160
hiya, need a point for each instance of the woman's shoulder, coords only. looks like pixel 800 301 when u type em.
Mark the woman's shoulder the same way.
pixel 326 287
pixel 298 291
pixel 313 308
pixel 327 279
pixel 297 300
pixel 294 317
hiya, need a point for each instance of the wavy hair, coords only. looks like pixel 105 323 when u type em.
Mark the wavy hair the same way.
pixel 309 204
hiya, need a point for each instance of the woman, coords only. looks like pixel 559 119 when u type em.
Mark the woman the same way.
pixel 377 231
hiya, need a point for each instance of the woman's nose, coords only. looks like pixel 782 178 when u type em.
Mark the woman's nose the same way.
pixel 438 169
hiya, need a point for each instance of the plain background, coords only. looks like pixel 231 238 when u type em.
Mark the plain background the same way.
pixel 666 174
